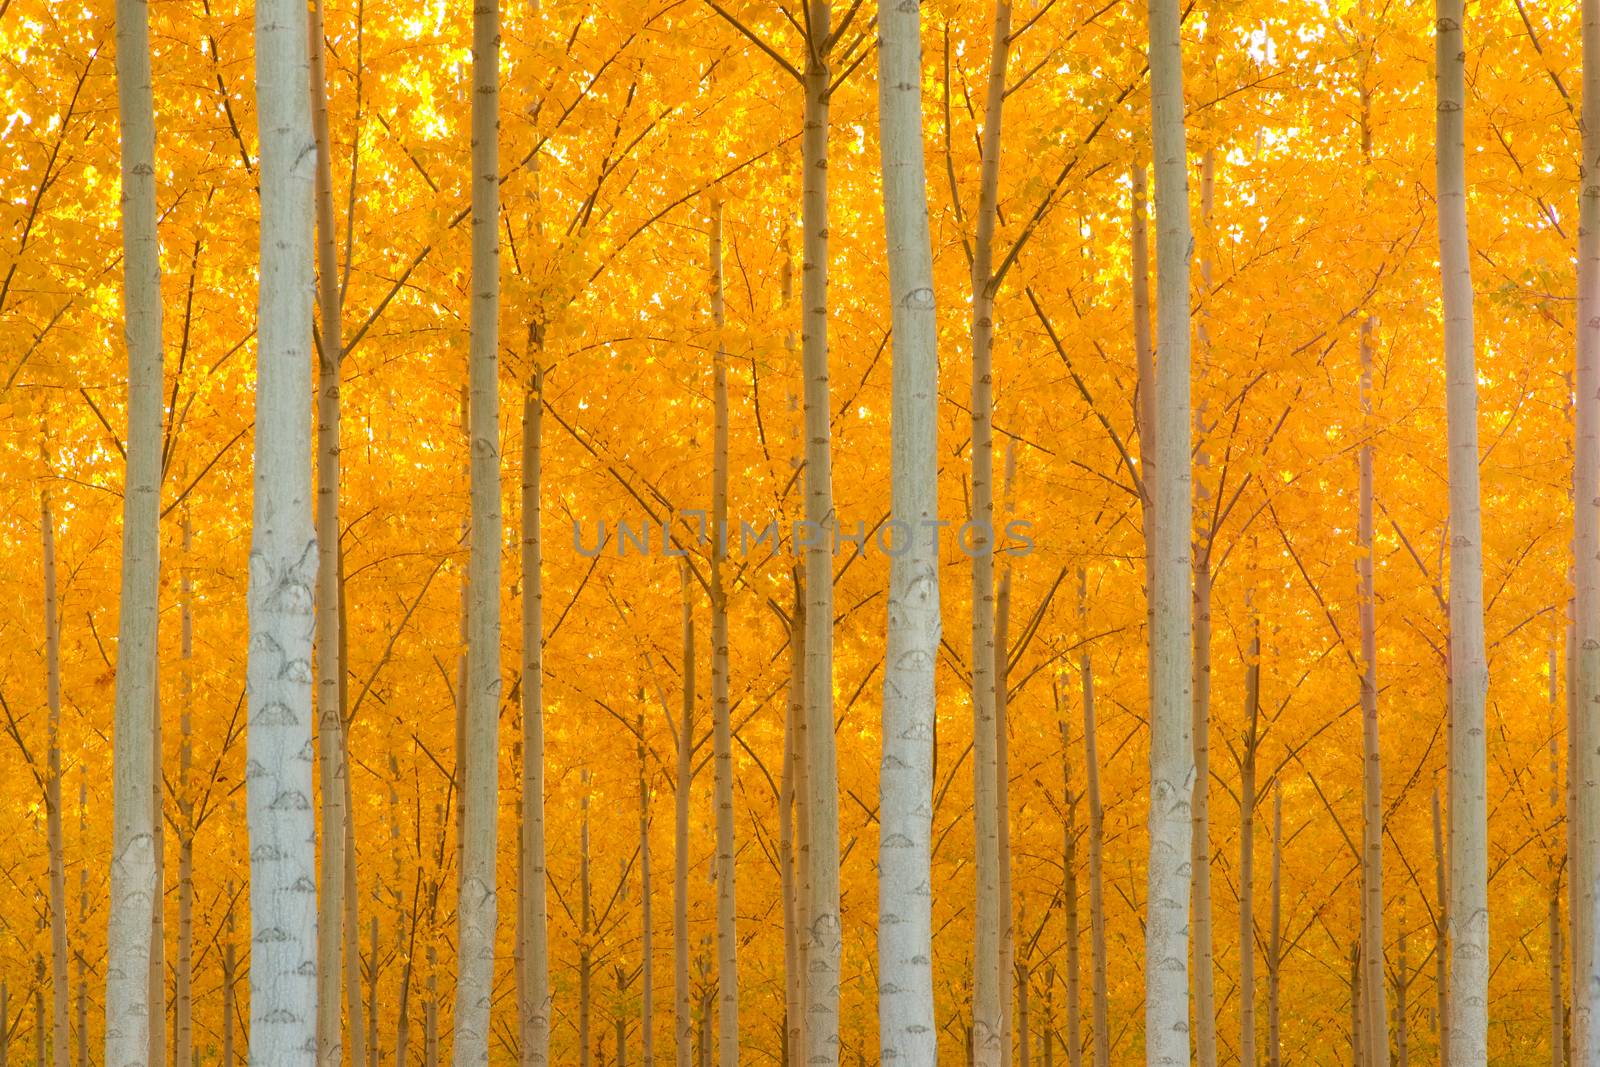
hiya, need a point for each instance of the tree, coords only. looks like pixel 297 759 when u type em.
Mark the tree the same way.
pixel 476 913
pixel 1171 754
pixel 283 562
pixel 134 888
pixel 907 1029
pixel 1469 671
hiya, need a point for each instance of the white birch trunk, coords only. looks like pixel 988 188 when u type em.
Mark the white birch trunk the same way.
pixel 1372 959
pixel 135 889
pixel 907 1030
pixel 1469 675
pixel 476 914
pixel 824 943
pixel 1172 770
pixel 183 976
pixel 283 563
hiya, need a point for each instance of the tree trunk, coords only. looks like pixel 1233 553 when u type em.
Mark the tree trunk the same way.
pixel 1376 1011
pixel 1002 733
pixel 1584 662
pixel 988 1014
pixel 1402 985
pixel 477 912
pixel 1469 674
pixel 1205 998
pixel 83 924
pixel 1069 866
pixel 647 1045
pixel 795 743
pixel 230 973
pixel 1557 1005
pixel 683 1023
pixel 907 1030
pixel 283 562
pixel 1023 1021
pixel 1247 846
pixel 585 924
pixel 1097 831
pixel 824 947
pixel 331 761
pixel 722 727
pixel 535 1009
pixel 183 979
pixel 134 885
pixel 1440 935
pixel 1275 935
pixel 430 1015
pixel 1172 771
pixel 60 981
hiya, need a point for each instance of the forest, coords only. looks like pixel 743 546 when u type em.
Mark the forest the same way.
pixel 720 533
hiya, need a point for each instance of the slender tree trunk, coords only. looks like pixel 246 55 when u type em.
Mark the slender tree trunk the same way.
pixel 1402 986
pixel 1440 936
pixel 1069 866
pixel 585 925
pixel 1097 824
pixel 1024 1037
pixel 1247 847
pixel 1584 661
pixel 797 1019
pixel 722 727
pixel 352 895
pixel 1376 1012
pixel 83 924
pixel 988 1013
pixel 1469 674
pixel 430 1014
pixel 230 974
pixel 60 981
pixel 1557 1004
pixel 183 979
pixel 135 889
pixel 158 912
pixel 331 762
pixel 683 1023
pixel 1357 1047
pixel 907 1029
pixel 1172 771
pixel 1205 998
pixel 535 1013
pixel 824 947
pixel 283 562
pixel 476 915
pixel 1002 731
pixel 1275 935
pixel 647 1044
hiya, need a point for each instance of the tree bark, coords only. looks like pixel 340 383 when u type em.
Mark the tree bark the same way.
pixel 1557 1002
pixel 824 944
pixel 907 1030
pixel 476 915
pixel 1469 675
pixel 1440 936
pixel 135 889
pixel 1069 866
pixel 722 727
pixel 331 761
pixel 60 981
pixel 1584 651
pixel 1172 771
pixel 283 562
pixel 683 1023
pixel 183 978
pixel 647 1046
pixel 1275 935
pixel 988 1012
pixel 1247 846
pixel 533 904
pixel 1097 830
